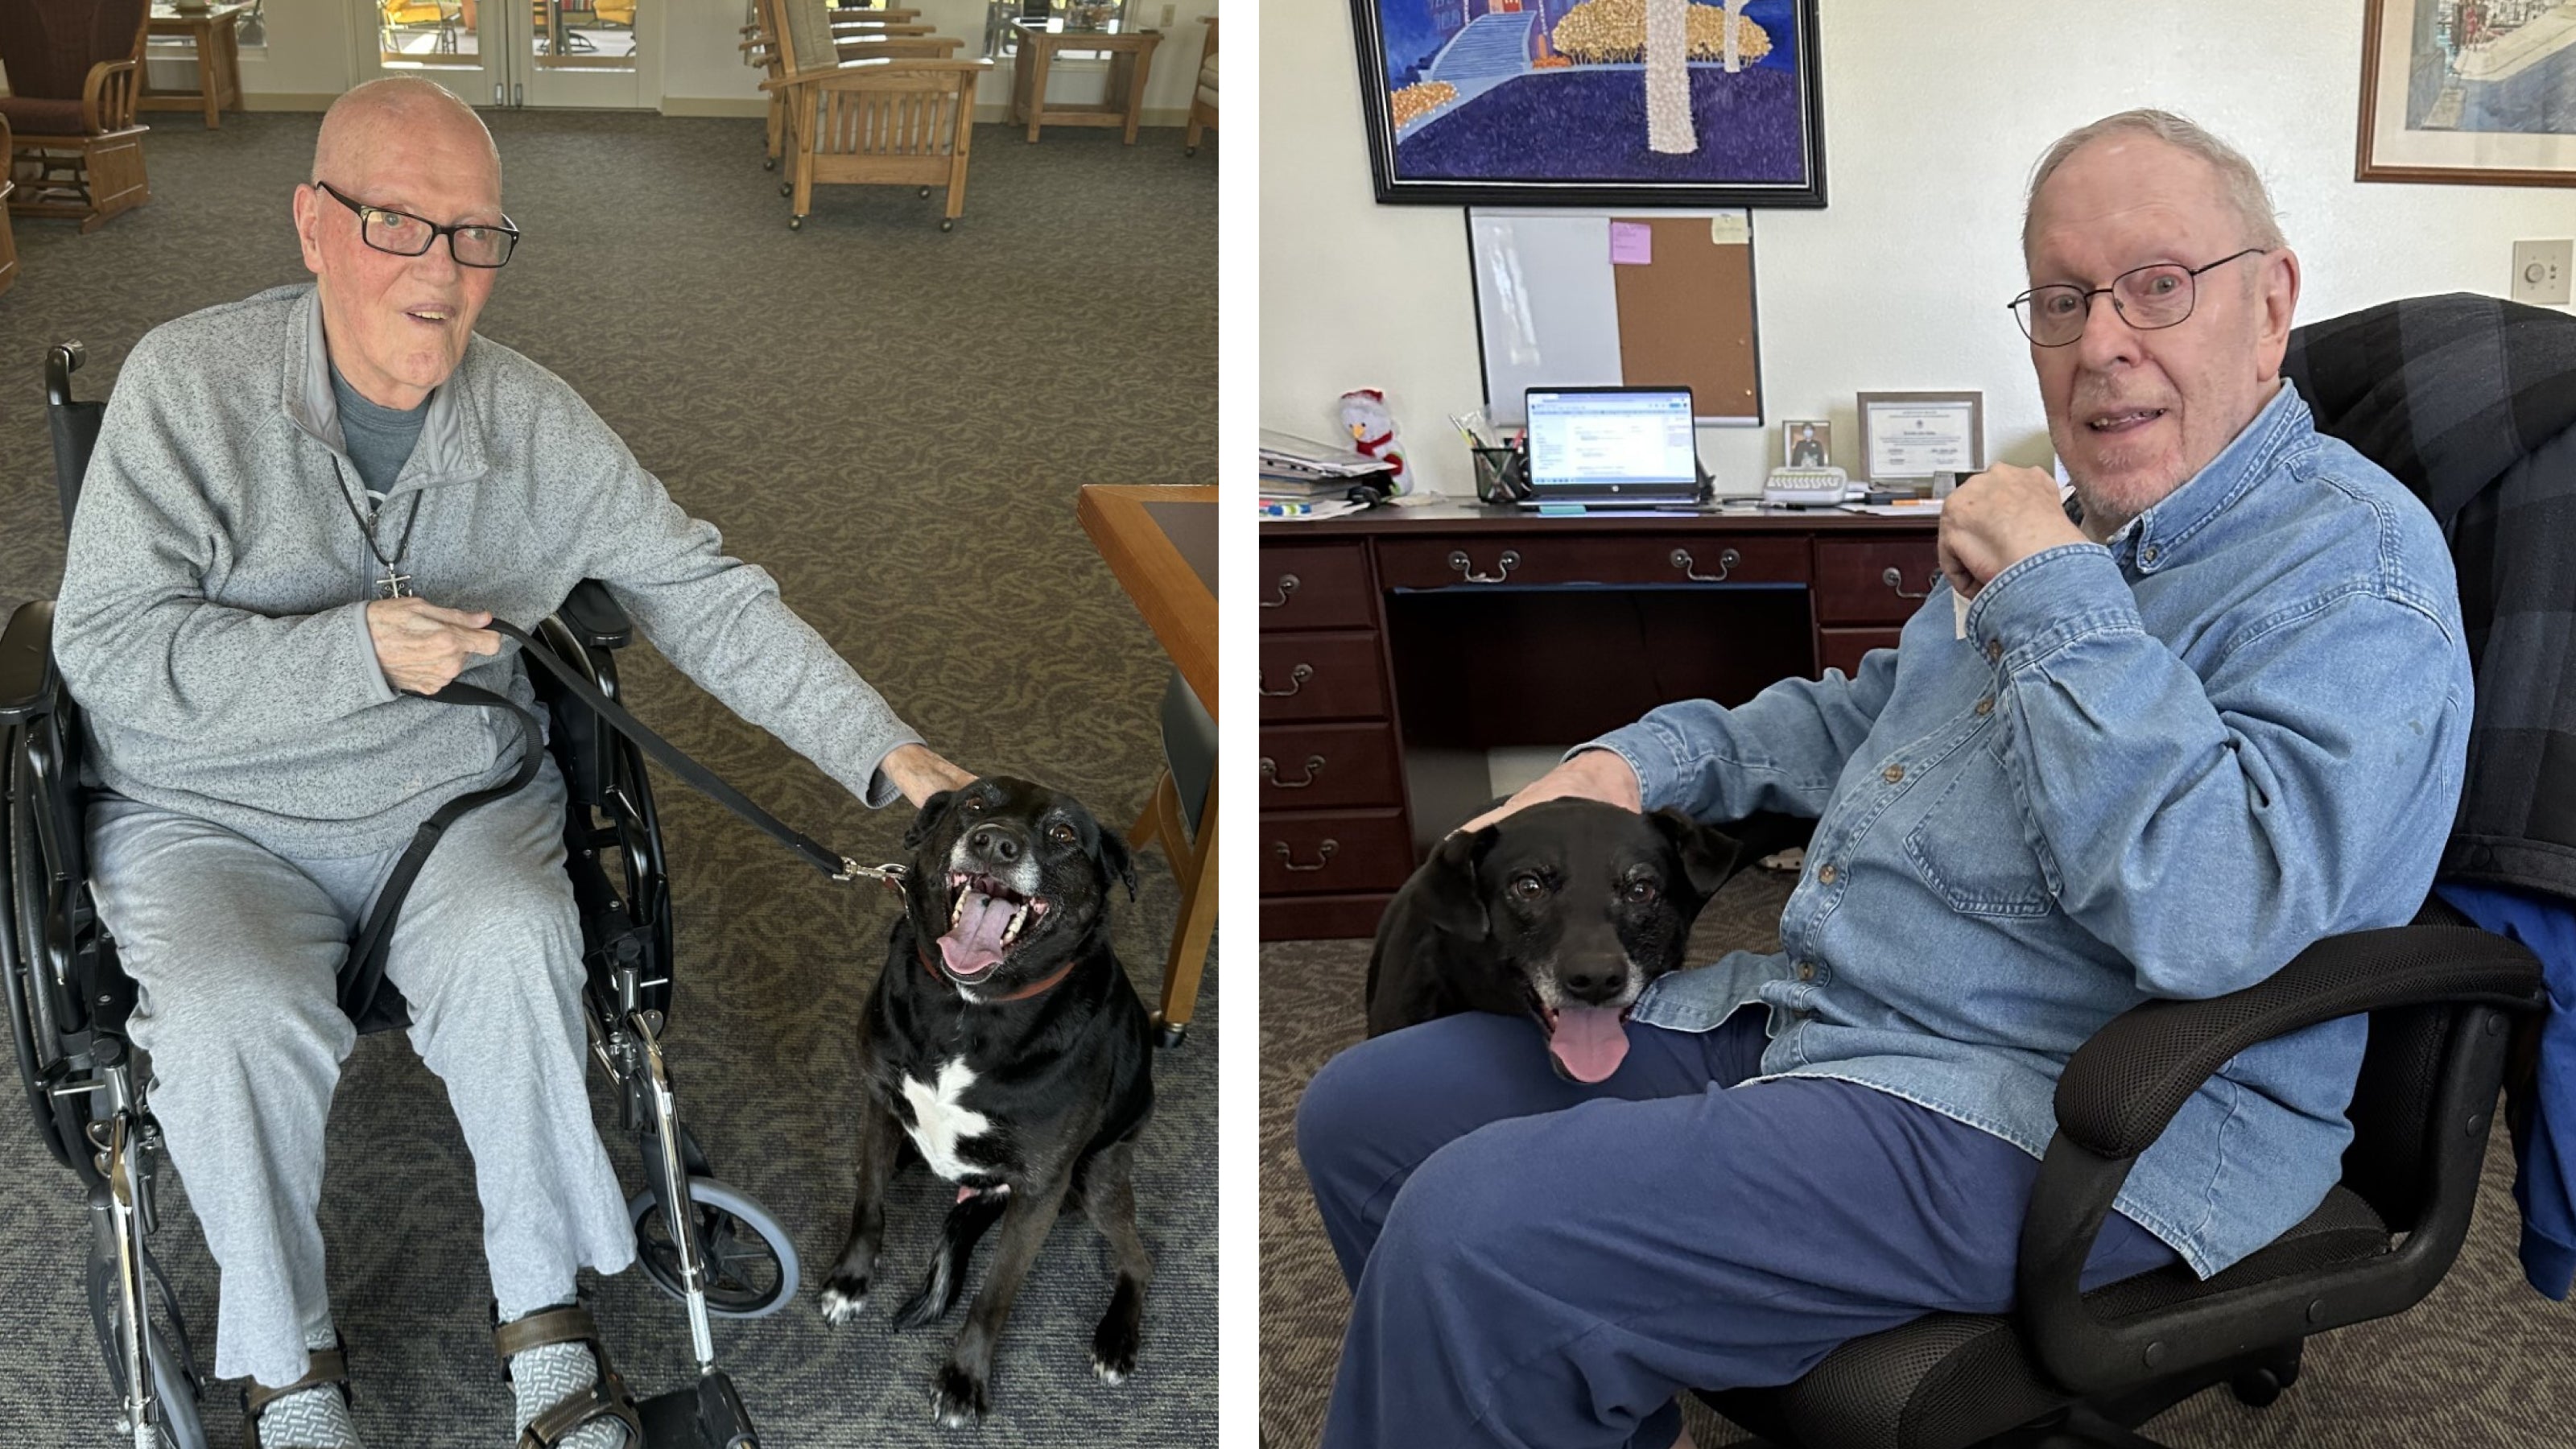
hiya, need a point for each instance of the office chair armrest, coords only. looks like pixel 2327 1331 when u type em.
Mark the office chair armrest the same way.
pixel 594 616
pixel 2122 1088
pixel 28 684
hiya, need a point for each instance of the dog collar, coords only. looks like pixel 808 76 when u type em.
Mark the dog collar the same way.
pixel 1023 994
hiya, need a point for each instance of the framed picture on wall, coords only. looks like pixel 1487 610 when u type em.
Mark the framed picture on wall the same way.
pixel 2481 92
pixel 1592 103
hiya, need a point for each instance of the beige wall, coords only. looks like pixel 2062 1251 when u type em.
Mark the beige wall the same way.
pixel 317 49
pixel 1931 127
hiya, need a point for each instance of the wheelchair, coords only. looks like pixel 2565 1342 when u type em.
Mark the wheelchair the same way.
pixel 716 1250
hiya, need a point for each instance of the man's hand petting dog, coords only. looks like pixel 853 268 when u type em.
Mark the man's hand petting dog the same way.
pixel 1592 775
pixel 422 647
pixel 1995 520
pixel 1005 1048
pixel 920 774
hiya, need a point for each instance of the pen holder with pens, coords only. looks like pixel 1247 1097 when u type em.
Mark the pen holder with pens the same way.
pixel 1502 474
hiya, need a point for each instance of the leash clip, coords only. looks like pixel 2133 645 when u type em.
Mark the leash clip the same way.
pixel 893 873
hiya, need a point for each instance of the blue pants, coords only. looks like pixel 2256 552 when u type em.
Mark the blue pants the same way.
pixel 1539 1263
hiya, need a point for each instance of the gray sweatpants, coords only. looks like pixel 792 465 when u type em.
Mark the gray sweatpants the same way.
pixel 235 949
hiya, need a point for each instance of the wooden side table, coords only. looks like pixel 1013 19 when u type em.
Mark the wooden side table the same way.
pixel 1131 59
pixel 217 31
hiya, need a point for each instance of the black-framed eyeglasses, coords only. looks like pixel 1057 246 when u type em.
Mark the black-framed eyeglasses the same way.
pixel 2154 296
pixel 472 243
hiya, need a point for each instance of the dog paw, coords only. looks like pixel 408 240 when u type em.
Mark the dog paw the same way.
pixel 1113 1352
pixel 960 1400
pixel 844 1295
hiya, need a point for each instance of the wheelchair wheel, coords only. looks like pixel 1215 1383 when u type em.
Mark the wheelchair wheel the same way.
pixel 751 1262
pixel 174 1380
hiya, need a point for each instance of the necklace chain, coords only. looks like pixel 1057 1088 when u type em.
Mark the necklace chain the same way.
pixel 391 585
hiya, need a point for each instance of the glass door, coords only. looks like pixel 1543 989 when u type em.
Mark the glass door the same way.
pixel 512 52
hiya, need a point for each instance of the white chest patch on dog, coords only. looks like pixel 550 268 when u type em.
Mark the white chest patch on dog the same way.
pixel 941 1120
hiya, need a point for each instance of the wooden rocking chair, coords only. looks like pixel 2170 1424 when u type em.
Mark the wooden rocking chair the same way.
pixel 73 69
pixel 885 119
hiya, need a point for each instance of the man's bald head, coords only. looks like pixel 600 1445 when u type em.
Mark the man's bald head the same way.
pixel 398 112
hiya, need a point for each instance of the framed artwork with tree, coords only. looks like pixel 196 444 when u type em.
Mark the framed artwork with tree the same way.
pixel 1592 102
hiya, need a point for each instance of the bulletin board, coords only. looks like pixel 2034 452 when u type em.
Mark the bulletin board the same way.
pixel 1634 298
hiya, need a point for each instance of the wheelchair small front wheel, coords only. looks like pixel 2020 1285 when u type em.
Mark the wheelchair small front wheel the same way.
pixel 751 1264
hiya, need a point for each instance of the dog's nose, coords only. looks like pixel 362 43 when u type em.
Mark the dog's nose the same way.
pixel 1594 987
pixel 995 844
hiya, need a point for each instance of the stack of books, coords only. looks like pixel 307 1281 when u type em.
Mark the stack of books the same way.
pixel 1300 470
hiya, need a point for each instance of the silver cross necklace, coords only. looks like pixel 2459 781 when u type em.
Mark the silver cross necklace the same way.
pixel 395 584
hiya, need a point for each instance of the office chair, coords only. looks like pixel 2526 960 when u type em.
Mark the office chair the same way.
pixel 2068 1368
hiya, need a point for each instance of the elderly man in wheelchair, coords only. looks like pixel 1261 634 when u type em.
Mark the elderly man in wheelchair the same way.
pixel 304 512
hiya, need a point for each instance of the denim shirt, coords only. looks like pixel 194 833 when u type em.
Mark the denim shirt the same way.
pixel 2154 769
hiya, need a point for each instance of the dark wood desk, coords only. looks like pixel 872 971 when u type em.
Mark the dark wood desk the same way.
pixel 1398 645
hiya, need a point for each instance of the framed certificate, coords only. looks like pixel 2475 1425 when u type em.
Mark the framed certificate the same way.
pixel 1906 437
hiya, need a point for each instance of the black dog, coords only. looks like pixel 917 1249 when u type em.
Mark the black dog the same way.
pixel 1563 912
pixel 1005 1047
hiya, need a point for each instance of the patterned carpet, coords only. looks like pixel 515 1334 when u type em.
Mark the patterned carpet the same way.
pixel 893 421
pixel 2481 1364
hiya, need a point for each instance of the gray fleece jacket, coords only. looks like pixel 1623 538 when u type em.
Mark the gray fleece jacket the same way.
pixel 213 610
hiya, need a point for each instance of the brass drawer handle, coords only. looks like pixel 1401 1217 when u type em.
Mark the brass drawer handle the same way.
pixel 1323 855
pixel 1895 579
pixel 1287 586
pixel 1270 772
pixel 1466 569
pixel 1726 563
pixel 1297 678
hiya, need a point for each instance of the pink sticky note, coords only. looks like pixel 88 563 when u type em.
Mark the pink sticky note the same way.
pixel 1632 244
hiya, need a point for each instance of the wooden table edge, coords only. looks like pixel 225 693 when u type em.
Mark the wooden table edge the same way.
pixel 1134 546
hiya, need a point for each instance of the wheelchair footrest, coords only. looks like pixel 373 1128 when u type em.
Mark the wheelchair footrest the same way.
pixel 706 1415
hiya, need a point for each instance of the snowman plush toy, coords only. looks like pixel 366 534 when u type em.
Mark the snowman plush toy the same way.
pixel 1372 430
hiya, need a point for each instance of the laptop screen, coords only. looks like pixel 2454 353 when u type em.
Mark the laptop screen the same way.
pixel 1612 443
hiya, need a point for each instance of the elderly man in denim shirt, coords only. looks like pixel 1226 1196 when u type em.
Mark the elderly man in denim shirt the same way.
pixel 2212 711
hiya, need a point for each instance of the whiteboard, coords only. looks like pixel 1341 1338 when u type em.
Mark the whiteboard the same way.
pixel 1547 306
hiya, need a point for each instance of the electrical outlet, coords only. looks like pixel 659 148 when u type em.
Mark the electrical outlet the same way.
pixel 2540 271
pixel 1168 12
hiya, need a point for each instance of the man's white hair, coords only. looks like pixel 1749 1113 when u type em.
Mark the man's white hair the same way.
pixel 2238 180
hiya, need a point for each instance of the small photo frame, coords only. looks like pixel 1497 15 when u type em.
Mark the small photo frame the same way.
pixel 1906 437
pixel 1806 443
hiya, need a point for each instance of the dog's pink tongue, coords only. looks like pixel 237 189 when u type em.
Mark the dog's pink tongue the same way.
pixel 972 945
pixel 1590 1041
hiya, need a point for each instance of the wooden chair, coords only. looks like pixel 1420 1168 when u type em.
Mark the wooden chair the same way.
pixel 74 66
pixel 8 243
pixel 1181 817
pixel 1203 100
pixel 882 120
pixel 397 18
pixel 850 42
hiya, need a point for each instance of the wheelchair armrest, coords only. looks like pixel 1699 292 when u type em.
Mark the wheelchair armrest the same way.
pixel 28 684
pixel 594 617
pixel 2122 1088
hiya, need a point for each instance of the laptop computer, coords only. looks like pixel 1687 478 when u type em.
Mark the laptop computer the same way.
pixel 1611 447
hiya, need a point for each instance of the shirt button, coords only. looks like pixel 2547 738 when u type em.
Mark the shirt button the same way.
pixel 2147 557
pixel 1892 774
pixel 1806 970
pixel 1986 705
pixel 1994 649
pixel 1825 875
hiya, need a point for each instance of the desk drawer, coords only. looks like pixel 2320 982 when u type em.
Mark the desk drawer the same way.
pixel 1644 558
pixel 1843 649
pixel 1852 585
pixel 1321 676
pixel 1315 586
pixel 1308 767
pixel 1317 852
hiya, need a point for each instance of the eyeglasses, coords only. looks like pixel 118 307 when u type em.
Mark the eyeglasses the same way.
pixel 2148 298
pixel 473 244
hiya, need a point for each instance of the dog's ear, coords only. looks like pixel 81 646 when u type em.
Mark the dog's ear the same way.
pixel 925 818
pixel 1708 855
pixel 1451 899
pixel 1117 860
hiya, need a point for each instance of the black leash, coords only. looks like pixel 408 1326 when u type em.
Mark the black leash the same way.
pixel 366 969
